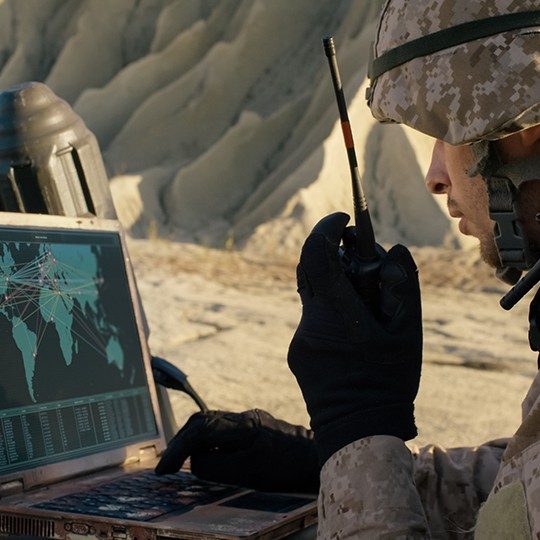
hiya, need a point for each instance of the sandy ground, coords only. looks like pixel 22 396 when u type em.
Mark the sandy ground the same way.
pixel 227 320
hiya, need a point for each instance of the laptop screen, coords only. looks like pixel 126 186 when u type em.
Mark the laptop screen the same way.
pixel 72 376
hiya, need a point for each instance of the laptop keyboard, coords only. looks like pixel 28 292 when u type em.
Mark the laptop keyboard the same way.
pixel 142 496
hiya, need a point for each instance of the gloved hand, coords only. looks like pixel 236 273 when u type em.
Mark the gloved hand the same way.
pixel 534 324
pixel 251 449
pixel 359 372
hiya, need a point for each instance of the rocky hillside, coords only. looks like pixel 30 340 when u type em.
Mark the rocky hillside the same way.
pixel 217 118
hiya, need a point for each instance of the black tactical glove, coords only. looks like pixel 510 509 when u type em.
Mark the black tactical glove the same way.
pixel 250 449
pixel 534 324
pixel 359 372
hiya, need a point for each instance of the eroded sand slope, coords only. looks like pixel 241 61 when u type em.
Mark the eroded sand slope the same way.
pixel 217 118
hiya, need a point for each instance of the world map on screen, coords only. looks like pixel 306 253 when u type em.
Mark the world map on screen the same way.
pixel 54 286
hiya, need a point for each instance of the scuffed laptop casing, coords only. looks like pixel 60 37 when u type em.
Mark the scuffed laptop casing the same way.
pixel 20 490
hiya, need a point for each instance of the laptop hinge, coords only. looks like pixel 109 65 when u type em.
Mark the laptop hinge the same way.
pixel 11 488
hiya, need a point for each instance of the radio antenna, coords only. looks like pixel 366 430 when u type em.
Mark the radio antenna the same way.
pixel 365 237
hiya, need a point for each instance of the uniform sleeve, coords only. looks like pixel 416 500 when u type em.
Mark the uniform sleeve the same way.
pixel 453 483
pixel 376 487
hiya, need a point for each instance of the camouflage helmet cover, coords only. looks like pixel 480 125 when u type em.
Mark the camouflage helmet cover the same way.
pixel 482 89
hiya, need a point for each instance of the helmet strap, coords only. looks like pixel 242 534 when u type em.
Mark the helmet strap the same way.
pixel 503 182
pixel 515 250
pixel 510 238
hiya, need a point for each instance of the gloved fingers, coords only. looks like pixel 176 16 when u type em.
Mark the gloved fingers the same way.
pixel 332 227
pixel 349 238
pixel 303 286
pixel 282 457
pixel 534 330
pixel 217 466
pixel 205 431
pixel 400 288
pixel 268 465
pixel 182 445
pixel 319 259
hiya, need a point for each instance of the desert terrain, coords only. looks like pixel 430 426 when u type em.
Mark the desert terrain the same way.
pixel 226 319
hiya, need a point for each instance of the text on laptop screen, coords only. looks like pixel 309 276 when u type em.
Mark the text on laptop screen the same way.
pixel 72 376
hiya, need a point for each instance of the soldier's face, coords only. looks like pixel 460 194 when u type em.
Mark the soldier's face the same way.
pixel 467 197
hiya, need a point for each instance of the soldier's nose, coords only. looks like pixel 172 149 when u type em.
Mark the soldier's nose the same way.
pixel 437 179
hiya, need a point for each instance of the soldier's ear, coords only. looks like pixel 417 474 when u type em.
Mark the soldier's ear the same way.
pixel 519 145
pixel 531 139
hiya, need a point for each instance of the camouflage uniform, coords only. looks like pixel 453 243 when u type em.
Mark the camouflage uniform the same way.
pixel 377 488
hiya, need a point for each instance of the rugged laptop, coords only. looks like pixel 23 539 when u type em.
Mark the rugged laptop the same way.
pixel 80 428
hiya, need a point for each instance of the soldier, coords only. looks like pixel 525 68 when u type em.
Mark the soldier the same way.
pixel 466 73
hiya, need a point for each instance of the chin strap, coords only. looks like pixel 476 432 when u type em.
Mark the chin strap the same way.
pixel 514 249
pixel 512 243
pixel 510 276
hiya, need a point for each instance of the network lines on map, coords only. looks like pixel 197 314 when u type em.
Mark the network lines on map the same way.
pixel 60 287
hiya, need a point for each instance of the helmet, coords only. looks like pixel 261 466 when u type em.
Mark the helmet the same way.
pixel 458 70
pixel 466 71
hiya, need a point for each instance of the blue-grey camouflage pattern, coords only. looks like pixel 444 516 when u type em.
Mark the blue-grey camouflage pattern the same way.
pixel 378 488
pixel 482 89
